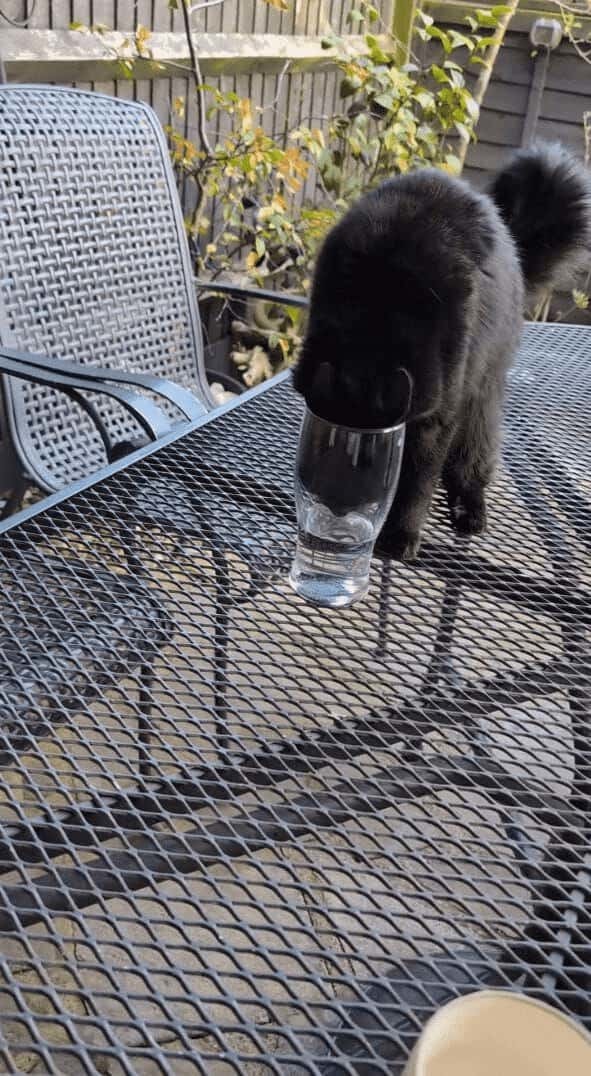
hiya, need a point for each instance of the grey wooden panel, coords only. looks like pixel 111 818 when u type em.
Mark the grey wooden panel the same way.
pixel 569 134
pixel 499 128
pixel 477 177
pixel 568 107
pixel 507 97
pixel 487 157
pixel 566 73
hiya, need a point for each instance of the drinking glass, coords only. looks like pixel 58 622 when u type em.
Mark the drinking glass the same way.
pixel 345 483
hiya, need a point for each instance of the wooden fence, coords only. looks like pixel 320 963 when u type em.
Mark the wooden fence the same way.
pixel 276 58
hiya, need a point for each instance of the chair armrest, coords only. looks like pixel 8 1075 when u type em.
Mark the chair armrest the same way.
pixel 152 420
pixel 188 404
pixel 282 298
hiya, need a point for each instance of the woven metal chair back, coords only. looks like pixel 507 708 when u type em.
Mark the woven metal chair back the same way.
pixel 94 264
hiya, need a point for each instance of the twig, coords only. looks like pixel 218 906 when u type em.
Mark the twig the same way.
pixel 197 79
pixel 486 72
pixel 272 106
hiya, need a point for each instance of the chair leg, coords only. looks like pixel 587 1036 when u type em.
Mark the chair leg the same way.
pixel 15 500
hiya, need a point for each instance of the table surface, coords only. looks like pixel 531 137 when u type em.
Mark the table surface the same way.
pixel 284 866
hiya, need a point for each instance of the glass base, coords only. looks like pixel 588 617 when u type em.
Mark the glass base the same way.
pixel 330 574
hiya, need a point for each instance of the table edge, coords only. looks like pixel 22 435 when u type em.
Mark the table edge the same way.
pixel 110 469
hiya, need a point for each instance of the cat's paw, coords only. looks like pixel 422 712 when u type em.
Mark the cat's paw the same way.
pixel 401 545
pixel 468 518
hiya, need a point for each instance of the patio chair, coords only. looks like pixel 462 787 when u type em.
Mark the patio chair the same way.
pixel 98 308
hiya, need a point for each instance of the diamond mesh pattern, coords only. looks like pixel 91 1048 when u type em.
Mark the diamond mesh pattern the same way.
pixel 94 263
pixel 284 861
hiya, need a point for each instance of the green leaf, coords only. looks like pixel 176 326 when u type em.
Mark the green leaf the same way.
pixel 386 100
pixel 456 79
pixel 460 41
pixel 259 246
pixel 77 26
pixel 439 74
pixel 424 99
pixel 500 9
pixel 376 53
pixel 440 35
pixel 372 13
pixel 173 5
pixel 485 43
pixel 486 18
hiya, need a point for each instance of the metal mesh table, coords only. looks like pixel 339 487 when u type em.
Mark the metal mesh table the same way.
pixel 280 854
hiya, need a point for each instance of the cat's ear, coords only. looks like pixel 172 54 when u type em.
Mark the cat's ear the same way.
pixel 392 397
pixel 404 385
pixel 314 375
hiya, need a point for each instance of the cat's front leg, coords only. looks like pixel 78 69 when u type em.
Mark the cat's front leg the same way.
pixel 472 458
pixel 425 450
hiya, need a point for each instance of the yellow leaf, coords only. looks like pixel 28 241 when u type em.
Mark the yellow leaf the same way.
pixel 280 5
pixel 210 248
pixel 580 299
pixel 142 36
pixel 251 260
pixel 245 110
pixel 178 106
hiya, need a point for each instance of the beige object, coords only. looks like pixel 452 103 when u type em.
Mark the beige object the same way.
pixel 498 1033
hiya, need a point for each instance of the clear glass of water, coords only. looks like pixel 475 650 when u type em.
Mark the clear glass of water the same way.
pixel 345 484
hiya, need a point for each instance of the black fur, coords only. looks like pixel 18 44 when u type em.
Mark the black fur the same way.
pixel 543 198
pixel 423 275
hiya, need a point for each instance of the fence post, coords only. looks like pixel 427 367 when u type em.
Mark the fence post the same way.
pixel 545 35
pixel 402 24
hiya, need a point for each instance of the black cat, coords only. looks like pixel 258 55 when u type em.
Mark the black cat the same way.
pixel 426 275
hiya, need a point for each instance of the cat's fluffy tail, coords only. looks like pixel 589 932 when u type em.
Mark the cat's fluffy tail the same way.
pixel 544 196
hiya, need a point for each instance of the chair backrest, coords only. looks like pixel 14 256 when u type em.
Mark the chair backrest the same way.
pixel 94 264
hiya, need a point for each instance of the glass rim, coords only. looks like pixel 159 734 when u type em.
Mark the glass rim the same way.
pixel 356 429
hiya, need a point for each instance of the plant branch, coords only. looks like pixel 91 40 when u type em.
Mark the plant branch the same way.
pixel 197 79
pixel 485 75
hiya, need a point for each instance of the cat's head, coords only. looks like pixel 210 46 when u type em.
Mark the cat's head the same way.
pixel 392 293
